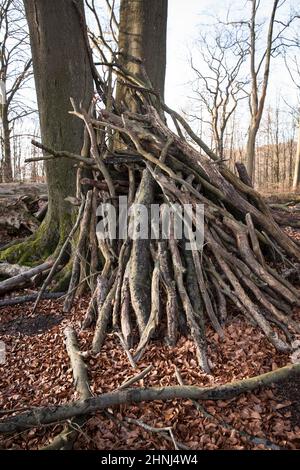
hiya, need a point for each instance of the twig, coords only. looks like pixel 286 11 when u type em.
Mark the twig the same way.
pixel 128 354
pixel 135 378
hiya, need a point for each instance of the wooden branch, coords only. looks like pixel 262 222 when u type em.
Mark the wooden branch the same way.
pixel 79 368
pixel 53 414
pixel 23 279
pixel 152 323
pixel 79 254
pixel 125 347
pixel 30 298
pixel 12 270
pixel 97 300
pixel 197 334
pixel 135 378
pixel 125 320
pixel 94 147
pixel 61 154
pixel 65 439
pixel 170 288
pixel 254 240
pixel 103 318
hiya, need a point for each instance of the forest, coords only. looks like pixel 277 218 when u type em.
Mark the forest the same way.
pixel 149 225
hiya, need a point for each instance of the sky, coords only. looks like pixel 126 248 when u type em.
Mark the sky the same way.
pixel 185 20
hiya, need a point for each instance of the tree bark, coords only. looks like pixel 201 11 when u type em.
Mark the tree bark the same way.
pixel 251 151
pixel 258 102
pixel 143 36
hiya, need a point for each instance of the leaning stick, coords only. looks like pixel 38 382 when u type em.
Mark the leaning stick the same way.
pixel 135 378
pixel 60 256
pixel 78 254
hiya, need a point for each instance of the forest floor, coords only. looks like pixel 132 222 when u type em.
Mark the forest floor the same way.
pixel 37 373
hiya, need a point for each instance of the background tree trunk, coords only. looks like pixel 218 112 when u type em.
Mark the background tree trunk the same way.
pixel 7 163
pixel 251 151
pixel 258 102
pixel 296 180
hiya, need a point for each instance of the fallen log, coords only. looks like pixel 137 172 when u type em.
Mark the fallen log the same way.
pixel 22 189
pixel 12 270
pixel 287 218
pixel 20 205
pixel 22 299
pixel 15 216
pixel 54 414
pixel 79 368
pixel 282 198
pixel 23 279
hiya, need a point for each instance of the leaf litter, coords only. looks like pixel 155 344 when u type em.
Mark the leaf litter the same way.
pixel 37 373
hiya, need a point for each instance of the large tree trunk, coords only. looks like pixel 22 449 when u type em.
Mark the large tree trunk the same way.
pixel 62 70
pixel 143 36
pixel 7 163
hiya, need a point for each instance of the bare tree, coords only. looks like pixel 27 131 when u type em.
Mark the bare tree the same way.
pixel 218 85
pixel 296 177
pixel 293 67
pixel 15 71
pixel 261 64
